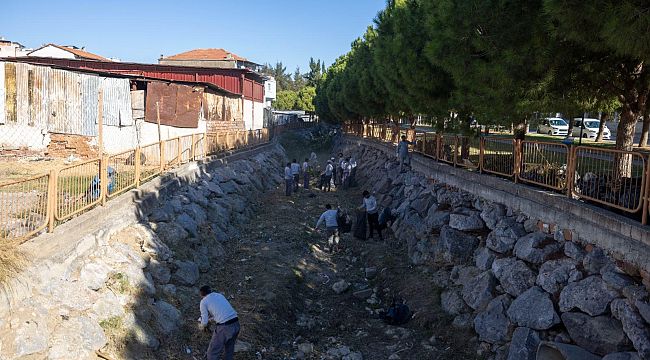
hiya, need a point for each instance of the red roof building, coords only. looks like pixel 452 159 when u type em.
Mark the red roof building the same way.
pixel 65 52
pixel 211 58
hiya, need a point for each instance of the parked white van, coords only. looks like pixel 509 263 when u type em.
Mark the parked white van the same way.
pixel 553 126
pixel 591 129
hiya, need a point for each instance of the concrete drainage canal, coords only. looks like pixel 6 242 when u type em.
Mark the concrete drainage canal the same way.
pixel 481 280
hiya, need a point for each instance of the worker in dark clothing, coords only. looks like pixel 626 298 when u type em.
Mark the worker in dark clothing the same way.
pixel 372 213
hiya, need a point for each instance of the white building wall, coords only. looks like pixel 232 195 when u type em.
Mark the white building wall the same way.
pixel 248 114
pixel 253 115
pixel 53 52
pixel 21 135
pixel 259 115
pixel 149 132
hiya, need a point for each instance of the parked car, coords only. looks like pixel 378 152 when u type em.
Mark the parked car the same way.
pixel 553 126
pixel 590 130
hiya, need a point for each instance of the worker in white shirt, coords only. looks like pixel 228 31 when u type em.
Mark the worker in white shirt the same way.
pixel 295 172
pixel 288 179
pixel 215 307
pixel 372 213
pixel 305 174
pixel 326 183
pixel 331 226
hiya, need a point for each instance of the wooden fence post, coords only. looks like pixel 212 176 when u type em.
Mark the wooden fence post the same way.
pixel 646 194
pixel 138 155
pixel 192 149
pixel 161 146
pixel 51 200
pixel 517 166
pixel 103 178
pixel 481 153
pixel 179 152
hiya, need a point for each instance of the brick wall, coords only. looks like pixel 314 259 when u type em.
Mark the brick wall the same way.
pixel 64 145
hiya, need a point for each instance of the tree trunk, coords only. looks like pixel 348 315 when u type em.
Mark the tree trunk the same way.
pixel 570 131
pixel 601 127
pixel 625 141
pixel 643 141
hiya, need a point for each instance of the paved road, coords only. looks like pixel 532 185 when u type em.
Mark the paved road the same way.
pixel 613 127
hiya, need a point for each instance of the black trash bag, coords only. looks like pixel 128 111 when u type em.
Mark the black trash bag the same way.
pixel 386 218
pixel 344 221
pixel 360 225
pixel 396 314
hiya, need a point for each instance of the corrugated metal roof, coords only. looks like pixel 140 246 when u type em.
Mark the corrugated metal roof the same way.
pixel 229 80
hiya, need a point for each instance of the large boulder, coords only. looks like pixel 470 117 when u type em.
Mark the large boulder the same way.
pixel 76 338
pixel 483 258
pixel 163 213
pixel 187 223
pixel 455 247
pixel 492 213
pixel 159 271
pixel 600 335
pixel 554 274
pixel 452 302
pixel 524 344
pixel 502 239
pixel 633 326
pixel 536 247
pixel 187 273
pixel 479 291
pixel 171 233
pixel 465 222
pixel 574 251
pixel 462 274
pixel 166 316
pixel 591 295
pixel 595 261
pixel 533 309
pixel 196 212
pixel 492 325
pixel 515 277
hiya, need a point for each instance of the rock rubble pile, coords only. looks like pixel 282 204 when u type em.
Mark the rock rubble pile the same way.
pixel 515 284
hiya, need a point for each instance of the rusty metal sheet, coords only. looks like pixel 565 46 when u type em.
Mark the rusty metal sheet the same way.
pixel 38 89
pixel 179 104
pixel 22 94
pixel 213 106
pixel 117 102
pixel 10 93
pixel 64 103
pixel 3 98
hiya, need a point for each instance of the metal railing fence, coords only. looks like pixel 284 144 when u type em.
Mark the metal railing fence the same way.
pixel 615 179
pixel 32 205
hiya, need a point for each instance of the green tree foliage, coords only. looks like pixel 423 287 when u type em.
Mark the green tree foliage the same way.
pixel 285 100
pixel 283 80
pixel 495 61
pixel 316 71
pixel 298 80
pixel 305 100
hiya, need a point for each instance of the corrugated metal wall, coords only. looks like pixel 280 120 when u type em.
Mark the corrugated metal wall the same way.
pixel 60 100
pixel 2 93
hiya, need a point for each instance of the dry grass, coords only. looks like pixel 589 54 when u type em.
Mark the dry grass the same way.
pixel 11 262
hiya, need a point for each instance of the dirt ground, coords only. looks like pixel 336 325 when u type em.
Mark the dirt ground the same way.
pixel 279 278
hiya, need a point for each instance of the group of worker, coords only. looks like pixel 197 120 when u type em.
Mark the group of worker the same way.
pixel 339 172
pixel 215 306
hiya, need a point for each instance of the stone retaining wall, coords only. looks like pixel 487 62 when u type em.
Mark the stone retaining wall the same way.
pixel 512 278
pixel 110 269
pixel 623 238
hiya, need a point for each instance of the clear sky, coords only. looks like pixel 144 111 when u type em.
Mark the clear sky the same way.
pixel 140 31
